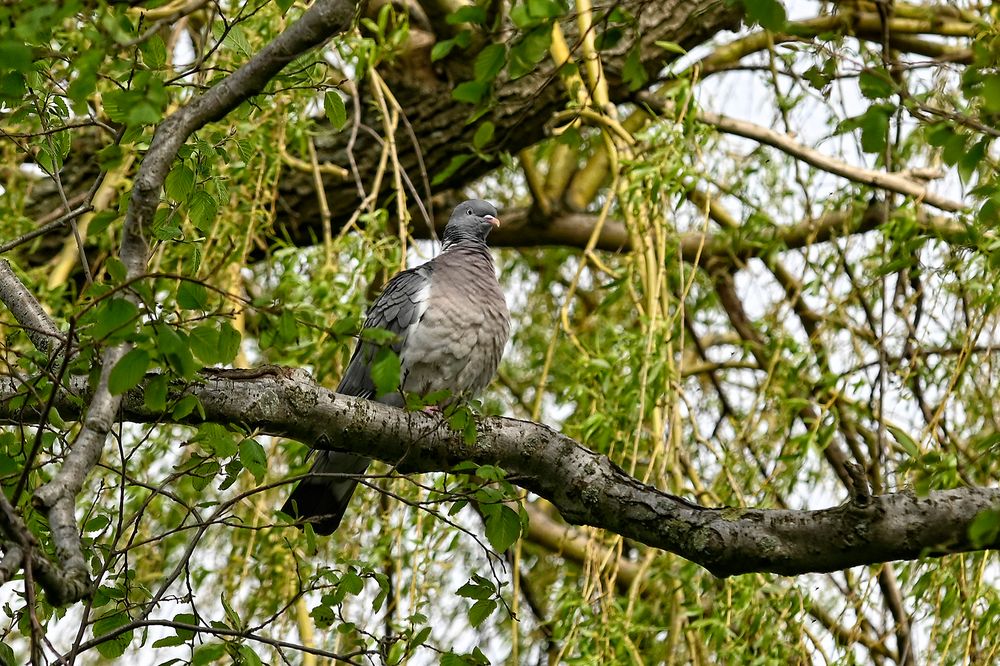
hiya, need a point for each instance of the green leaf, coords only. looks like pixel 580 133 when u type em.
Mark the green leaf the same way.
pixel 470 91
pixel 336 112
pixel 154 52
pixel 202 210
pixel 386 371
pixel 180 182
pixel 768 14
pixel 115 647
pixel 938 135
pixel 442 49
pixel 16 55
pixel 208 653
pixel 817 77
pixel 144 105
pixel 633 73
pixel 474 658
pixel 185 406
pixel 990 92
pixel 237 39
pixel 489 62
pixel 6 655
pixel 477 588
pixel 453 166
pixel 985 528
pixel 288 327
pixel 247 657
pixel 874 126
pixel 169 641
pixel 529 51
pixel 254 458
pixel 113 319
pixel 323 616
pixel 128 371
pixel 96 524
pixel 481 610
pixel 970 161
pixel 875 84
pixel 205 344
pixel 503 527
pixel 84 83
pixel 116 105
pixel 185 618
pixel 483 134
pixel 954 150
pixel 420 637
pixel 905 441
pixel 13 87
pixel 467 14
pixel 383 592
pixel 8 465
pixel 229 343
pixel 116 269
pixel 545 9
pixel 213 345
pixel 671 47
pixel 490 473
pixel 192 296
pixel 520 17
pixel 352 582
pixel 156 393
pixel 175 349
pixel 217 440
pixel 231 615
pixel 101 221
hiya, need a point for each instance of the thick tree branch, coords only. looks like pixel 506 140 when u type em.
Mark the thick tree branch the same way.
pixel 586 487
pixel 520 112
pixel 574 545
pixel 41 330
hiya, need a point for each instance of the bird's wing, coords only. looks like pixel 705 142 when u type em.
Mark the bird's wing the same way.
pixel 396 310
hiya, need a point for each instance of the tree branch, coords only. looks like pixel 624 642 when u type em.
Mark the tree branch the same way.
pixel 586 487
pixel 887 181
pixel 41 330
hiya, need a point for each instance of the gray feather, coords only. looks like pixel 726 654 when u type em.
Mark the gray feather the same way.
pixel 451 324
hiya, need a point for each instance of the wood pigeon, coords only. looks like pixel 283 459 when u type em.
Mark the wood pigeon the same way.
pixel 451 324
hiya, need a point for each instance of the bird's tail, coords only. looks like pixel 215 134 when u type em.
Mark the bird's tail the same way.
pixel 323 500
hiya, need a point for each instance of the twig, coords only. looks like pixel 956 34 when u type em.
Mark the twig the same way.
pixel 888 181
pixel 46 228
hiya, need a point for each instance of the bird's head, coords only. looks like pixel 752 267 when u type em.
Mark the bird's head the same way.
pixel 471 220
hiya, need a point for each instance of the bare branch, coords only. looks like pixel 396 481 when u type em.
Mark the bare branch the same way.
pixel 880 179
pixel 27 310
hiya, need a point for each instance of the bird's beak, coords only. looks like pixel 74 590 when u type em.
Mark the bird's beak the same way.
pixel 492 220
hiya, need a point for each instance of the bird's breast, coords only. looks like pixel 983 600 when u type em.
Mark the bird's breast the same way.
pixel 457 342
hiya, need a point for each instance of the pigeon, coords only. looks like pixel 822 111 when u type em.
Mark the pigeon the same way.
pixel 450 322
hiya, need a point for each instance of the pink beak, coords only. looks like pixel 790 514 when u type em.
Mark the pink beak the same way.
pixel 492 220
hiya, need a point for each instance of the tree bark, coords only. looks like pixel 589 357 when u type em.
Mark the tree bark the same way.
pixel 521 112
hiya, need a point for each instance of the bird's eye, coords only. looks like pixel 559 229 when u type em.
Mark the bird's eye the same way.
pixel 470 211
